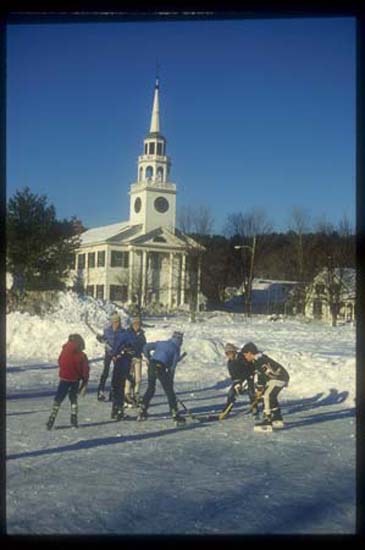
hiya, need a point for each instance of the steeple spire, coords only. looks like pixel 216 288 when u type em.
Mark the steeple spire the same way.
pixel 155 119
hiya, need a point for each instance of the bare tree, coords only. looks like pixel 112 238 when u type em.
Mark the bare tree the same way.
pixel 195 220
pixel 250 230
pixel 299 225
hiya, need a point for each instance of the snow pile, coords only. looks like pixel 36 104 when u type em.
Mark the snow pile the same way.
pixel 40 339
pixel 319 358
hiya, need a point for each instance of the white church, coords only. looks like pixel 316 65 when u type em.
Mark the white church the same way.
pixel 144 260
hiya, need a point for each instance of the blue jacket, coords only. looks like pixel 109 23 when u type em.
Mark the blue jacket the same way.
pixel 123 339
pixel 166 352
pixel 110 335
pixel 139 343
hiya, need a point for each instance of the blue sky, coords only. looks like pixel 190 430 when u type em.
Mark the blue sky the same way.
pixel 257 114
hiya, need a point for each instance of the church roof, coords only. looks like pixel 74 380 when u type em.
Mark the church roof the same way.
pixel 165 238
pixel 104 233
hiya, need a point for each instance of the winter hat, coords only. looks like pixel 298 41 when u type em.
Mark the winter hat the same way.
pixel 250 347
pixel 115 316
pixel 230 347
pixel 79 341
pixel 178 336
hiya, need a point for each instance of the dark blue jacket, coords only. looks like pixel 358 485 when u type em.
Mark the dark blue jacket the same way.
pixel 166 352
pixel 140 341
pixel 110 335
pixel 122 340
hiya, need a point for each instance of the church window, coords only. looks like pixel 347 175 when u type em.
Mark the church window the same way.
pixel 101 258
pixel 91 259
pixel 159 173
pixel 140 174
pixel 99 292
pixel 149 172
pixel 119 293
pixel 159 148
pixel 137 205
pixel 119 259
pixel 81 261
pixel 152 148
pixel 145 148
pixel 90 290
pixel 73 261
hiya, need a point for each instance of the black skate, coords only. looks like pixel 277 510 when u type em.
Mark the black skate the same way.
pixel 178 419
pixel 265 425
pixel 50 422
pixel 277 419
pixel 114 413
pixel 119 415
pixel 142 415
pixel 101 396
pixel 73 419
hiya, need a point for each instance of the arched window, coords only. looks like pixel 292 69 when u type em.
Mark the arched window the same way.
pixel 149 172
pixel 141 174
pixel 160 173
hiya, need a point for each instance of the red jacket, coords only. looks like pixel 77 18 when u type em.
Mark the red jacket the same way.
pixel 73 363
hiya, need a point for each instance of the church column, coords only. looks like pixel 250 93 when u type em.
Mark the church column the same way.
pixel 144 273
pixel 182 279
pixel 107 274
pixel 171 279
pixel 130 275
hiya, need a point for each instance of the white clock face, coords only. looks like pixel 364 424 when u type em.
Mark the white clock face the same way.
pixel 161 205
pixel 137 205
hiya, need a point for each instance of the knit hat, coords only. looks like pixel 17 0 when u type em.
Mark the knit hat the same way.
pixel 115 316
pixel 250 347
pixel 178 336
pixel 230 347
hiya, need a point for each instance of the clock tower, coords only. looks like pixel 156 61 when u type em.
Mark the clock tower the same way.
pixel 153 196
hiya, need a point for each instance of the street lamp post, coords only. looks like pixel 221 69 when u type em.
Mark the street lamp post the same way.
pixel 250 277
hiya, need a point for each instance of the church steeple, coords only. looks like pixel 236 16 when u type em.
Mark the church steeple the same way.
pixel 155 118
pixel 153 195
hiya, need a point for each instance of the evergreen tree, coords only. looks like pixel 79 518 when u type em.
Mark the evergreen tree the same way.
pixel 40 248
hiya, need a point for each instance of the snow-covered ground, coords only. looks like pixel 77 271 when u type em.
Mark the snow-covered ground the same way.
pixel 207 478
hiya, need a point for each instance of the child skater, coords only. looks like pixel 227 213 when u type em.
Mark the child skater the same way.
pixel 73 367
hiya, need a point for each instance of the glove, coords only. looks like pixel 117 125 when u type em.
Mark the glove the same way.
pixel 82 388
pixel 100 338
pixel 238 388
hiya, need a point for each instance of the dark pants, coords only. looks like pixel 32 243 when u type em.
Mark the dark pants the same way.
pixel 232 394
pixel 158 371
pixel 64 388
pixel 272 390
pixel 120 373
pixel 105 373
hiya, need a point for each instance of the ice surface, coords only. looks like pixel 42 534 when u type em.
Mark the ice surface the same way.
pixel 208 478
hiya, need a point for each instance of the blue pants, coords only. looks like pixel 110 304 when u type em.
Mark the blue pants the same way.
pixel 120 372
pixel 105 373
pixel 65 387
pixel 158 371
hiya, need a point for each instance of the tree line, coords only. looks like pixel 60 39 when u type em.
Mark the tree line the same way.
pixel 41 248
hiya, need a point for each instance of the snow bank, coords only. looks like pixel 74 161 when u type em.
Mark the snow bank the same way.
pixel 319 358
pixel 40 339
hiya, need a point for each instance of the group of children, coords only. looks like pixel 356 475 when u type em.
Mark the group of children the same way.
pixel 250 370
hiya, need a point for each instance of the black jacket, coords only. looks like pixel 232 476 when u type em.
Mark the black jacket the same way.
pixel 139 343
pixel 240 369
pixel 267 369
